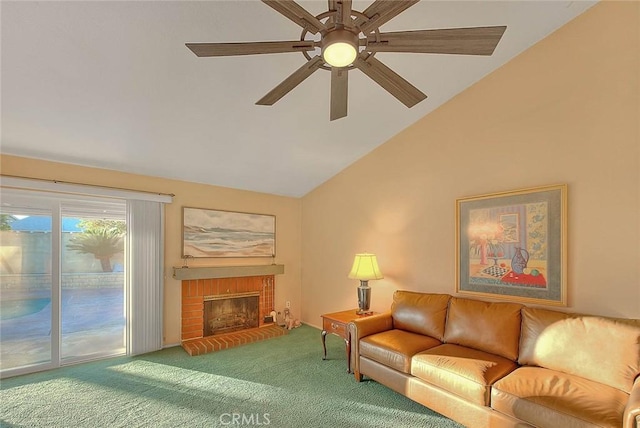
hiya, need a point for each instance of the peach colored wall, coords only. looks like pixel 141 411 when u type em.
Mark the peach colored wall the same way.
pixel 565 111
pixel 286 210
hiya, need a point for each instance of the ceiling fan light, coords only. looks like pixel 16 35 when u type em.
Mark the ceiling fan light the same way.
pixel 339 54
pixel 339 48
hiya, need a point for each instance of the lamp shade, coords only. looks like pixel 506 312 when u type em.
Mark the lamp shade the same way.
pixel 365 267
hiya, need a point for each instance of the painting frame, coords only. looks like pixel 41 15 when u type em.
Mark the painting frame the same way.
pixel 525 261
pixel 213 233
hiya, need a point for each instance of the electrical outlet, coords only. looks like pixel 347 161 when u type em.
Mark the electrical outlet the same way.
pixel 288 304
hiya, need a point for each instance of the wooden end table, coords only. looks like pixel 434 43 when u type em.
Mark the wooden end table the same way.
pixel 336 323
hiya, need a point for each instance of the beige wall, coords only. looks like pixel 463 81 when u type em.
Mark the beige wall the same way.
pixel 286 210
pixel 565 111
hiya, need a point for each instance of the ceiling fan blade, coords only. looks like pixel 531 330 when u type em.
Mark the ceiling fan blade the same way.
pixel 249 48
pixel 339 92
pixel 404 91
pixel 342 9
pixel 457 41
pixel 344 12
pixel 292 81
pixel 297 14
pixel 332 6
pixel 381 11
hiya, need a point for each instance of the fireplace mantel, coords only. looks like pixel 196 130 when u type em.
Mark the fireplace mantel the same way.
pixel 226 271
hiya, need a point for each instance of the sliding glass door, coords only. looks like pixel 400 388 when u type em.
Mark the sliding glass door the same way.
pixel 62 280
pixel 26 292
pixel 92 280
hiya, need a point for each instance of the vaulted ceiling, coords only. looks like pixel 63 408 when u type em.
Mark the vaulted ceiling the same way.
pixel 112 85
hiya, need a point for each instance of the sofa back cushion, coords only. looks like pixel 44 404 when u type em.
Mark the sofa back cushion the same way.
pixel 600 349
pixel 420 313
pixel 489 327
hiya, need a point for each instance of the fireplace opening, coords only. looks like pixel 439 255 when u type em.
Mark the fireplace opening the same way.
pixel 224 314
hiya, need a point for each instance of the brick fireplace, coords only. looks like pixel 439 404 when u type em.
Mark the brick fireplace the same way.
pixel 229 313
pixel 196 291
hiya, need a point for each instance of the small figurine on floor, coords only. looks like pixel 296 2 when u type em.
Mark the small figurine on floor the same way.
pixel 289 322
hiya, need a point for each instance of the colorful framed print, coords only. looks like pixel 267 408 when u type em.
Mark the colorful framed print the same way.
pixel 512 245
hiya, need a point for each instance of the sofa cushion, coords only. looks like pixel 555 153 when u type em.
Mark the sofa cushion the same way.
pixel 601 349
pixel 548 398
pixel 463 371
pixel 394 348
pixel 489 327
pixel 420 313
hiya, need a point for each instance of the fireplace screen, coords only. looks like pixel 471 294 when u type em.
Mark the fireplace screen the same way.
pixel 224 314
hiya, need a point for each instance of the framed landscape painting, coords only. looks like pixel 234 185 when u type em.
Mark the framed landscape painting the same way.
pixel 512 245
pixel 215 233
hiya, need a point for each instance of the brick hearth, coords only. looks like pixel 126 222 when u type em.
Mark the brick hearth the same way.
pixel 230 340
pixel 193 295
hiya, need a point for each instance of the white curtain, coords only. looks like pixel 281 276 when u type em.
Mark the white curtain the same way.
pixel 145 221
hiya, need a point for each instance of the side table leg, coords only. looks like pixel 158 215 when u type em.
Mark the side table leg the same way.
pixel 324 346
pixel 347 343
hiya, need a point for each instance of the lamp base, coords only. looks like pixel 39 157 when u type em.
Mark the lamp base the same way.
pixel 363 312
pixel 364 298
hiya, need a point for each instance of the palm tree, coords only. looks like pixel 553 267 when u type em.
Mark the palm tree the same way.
pixel 5 221
pixel 102 238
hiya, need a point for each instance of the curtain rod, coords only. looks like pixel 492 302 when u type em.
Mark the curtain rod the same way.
pixel 85 184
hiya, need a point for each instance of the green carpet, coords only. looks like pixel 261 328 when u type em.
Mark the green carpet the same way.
pixel 281 382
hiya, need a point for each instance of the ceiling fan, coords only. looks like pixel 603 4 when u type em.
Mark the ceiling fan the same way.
pixel 350 39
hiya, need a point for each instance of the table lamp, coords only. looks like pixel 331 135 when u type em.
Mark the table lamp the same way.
pixel 365 267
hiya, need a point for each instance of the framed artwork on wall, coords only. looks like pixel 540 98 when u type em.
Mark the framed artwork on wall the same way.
pixel 216 233
pixel 513 245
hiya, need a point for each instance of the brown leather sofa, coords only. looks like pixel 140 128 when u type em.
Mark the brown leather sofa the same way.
pixel 503 364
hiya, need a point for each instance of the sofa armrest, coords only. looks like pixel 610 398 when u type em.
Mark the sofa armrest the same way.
pixel 631 418
pixel 363 327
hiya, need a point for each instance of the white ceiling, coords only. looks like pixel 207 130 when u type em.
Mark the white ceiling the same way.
pixel 111 85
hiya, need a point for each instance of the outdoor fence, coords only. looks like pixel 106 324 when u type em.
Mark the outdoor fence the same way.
pixel 69 280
